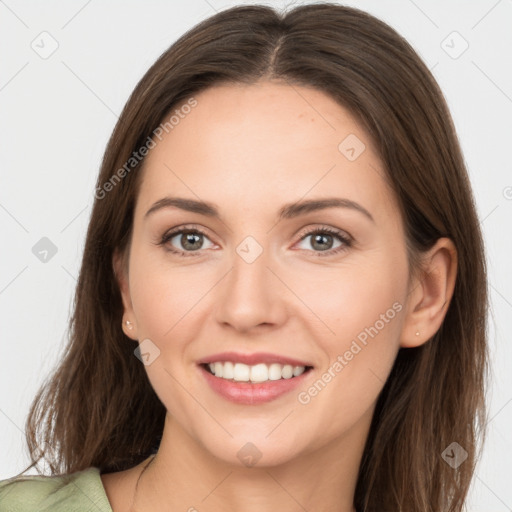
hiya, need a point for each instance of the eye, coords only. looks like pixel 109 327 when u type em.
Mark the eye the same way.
pixel 187 241
pixel 191 240
pixel 323 240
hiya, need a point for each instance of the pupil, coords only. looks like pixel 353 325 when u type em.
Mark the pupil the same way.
pixel 317 238
pixel 189 237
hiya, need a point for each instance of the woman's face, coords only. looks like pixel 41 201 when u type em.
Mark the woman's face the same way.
pixel 252 280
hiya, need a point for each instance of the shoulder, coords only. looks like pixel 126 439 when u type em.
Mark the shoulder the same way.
pixel 62 493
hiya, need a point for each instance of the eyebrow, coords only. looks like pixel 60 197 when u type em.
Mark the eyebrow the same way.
pixel 288 211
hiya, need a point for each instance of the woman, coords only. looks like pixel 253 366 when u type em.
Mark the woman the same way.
pixel 282 300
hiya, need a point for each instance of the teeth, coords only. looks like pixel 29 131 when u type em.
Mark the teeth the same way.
pixel 228 370
pixel 241 372
pixel 275 371
pixel 218 369
pixel 258 373
pixel 298 370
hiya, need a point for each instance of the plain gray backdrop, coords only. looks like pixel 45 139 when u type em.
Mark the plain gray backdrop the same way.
pixel 67 70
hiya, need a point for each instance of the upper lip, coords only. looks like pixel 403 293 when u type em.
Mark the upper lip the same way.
pixel 252 359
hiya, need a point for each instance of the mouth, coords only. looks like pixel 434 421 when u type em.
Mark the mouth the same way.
pixel 258 373
pixel 253 379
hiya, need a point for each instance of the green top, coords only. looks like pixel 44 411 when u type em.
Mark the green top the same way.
pixel 82 491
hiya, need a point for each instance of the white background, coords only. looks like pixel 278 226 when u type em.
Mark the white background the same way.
pixel 58 113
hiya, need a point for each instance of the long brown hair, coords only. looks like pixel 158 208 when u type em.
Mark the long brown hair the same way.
pixel 97 407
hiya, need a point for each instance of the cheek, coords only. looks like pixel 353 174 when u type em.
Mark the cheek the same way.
pixel 165 301
pixel 360 356
pixel 353 296
pixel 163 294
pixel 364 324
pixel 362 315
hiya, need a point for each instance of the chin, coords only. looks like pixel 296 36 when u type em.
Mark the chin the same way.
pixel 256 450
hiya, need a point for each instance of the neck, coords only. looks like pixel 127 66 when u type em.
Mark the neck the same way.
pixel 185 476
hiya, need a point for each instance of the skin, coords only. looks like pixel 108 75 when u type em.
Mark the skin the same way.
pixel 249 150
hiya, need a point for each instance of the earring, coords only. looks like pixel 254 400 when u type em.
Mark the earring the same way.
pixel 129 324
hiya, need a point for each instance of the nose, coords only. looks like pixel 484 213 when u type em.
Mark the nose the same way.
pixel 251 296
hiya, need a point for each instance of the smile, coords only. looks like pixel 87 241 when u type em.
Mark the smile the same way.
pixel 248 392
pixel 240 372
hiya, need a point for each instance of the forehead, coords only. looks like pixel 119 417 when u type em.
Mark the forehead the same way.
pixel 268 143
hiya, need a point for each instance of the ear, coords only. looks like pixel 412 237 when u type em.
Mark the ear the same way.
pixel 430 294
pixel 121 275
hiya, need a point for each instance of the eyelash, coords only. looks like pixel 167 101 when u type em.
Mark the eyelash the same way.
pixel 347 241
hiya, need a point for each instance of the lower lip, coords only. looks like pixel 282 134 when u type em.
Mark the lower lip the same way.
pixel 247 393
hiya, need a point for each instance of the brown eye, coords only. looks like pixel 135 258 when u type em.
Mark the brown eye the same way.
pixel 191 241
pixel 185 241
pixel 323 239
